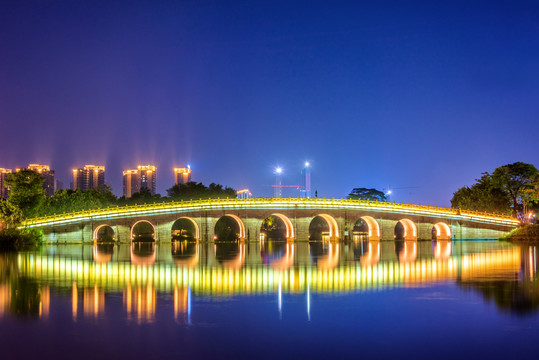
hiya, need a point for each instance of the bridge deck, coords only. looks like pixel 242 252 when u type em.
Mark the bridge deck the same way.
pixel 271 203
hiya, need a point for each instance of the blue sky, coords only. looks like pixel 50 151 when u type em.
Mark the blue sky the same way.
pixel 415 95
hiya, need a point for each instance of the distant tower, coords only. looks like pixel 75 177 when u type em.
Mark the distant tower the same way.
pixel 278 182
pixel 46 173
pixel 306 178
pixel 89 177
pixel 131 182
pixel 244 194
pixel 4 191
pixel 143 177
pixel 182 175
pixel 147 174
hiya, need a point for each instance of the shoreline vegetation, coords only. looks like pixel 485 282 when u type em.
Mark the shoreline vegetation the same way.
pixel 525 234
pixel 13 239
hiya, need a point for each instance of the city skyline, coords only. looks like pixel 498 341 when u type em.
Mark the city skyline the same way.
pixel 93 177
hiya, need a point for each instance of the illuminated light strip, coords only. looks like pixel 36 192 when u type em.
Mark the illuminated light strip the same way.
pixel 254 279
pixel 245 204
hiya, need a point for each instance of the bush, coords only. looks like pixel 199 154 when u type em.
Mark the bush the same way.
pixel 528 233
pixel 19 239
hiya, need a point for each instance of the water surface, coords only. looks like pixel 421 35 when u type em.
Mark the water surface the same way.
pixel 270 300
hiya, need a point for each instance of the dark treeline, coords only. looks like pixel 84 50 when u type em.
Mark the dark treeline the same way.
pixel 65 201
pixel 512 188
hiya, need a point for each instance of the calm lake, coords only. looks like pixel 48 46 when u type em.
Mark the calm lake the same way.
pixel 273 299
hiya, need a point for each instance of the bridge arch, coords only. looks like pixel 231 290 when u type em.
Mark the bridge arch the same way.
pixel 289 233
pixel 143 253
pixel 441 231
pixel 331 260
pixel 241 227
pixel 442 250
pixel 408 252
pixel 103 232
pixel 287 260
pixel 144 230
pixel 230 255
pixel 178 230
pixel 185 254
pixel 102 253
pixel 373 228
pixel 405 230
pixel 333 227
pixel 372 257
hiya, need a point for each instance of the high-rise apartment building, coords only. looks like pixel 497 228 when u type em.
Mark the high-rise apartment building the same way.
pixel 143 177
pixel 4 191
pixel 46 173
pixel 131 182
pixel 182 175
pixel 89 177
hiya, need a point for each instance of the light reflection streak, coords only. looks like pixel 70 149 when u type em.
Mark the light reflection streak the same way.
pixel 140 283
pixel 348 276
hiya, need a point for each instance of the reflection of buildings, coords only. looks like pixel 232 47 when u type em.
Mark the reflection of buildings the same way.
pixel 4 191
pixel 143 177
pixel 139 301
pixel 89 177
pixel 181 303
pixel 49 185
pixel 44 301
pixel 5 297
pixel 93 301
pixel 26 301
pixel 182 175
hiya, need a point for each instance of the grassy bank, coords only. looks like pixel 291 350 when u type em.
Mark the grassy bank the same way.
pixel 14 239
pixel 527 233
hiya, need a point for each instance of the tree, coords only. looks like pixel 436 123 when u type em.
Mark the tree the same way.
pixel 10 214
pixel 76 200
pixel 26 191
pixel 485 195
pixel 508 188
pixel 514 179
pixel 367 194
pixel 194 191
pixel 529 199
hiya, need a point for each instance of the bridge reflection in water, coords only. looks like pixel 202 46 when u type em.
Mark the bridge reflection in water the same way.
pixel 184 270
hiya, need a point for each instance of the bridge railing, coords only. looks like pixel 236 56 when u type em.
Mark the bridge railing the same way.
pixel 269 202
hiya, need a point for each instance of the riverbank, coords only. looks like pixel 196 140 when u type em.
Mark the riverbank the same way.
pixel 527 233
pixel 14 239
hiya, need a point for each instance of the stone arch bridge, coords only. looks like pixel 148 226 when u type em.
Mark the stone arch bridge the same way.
pixel 339 217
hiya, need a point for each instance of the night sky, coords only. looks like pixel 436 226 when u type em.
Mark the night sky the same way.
pixel 420 96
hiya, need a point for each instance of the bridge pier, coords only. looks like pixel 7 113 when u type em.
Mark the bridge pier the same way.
pixel 302 228
pixel 252 229
pixel 424 231
pixel 387 229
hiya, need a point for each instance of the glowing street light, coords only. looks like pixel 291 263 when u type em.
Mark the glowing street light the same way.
pixel 277 193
